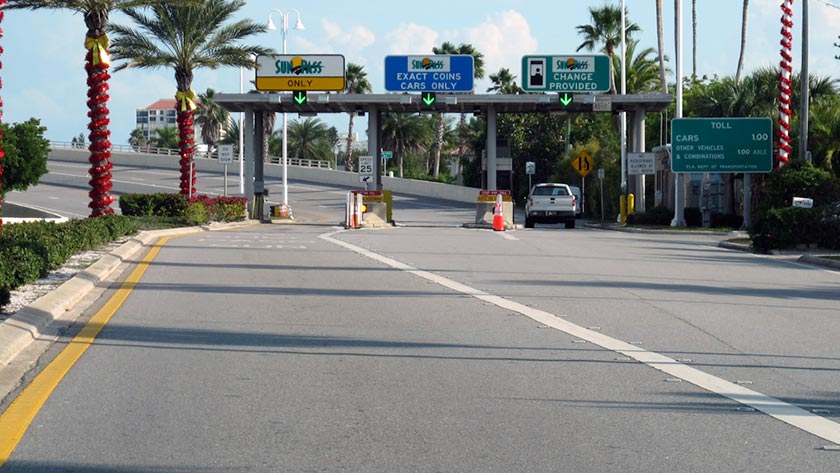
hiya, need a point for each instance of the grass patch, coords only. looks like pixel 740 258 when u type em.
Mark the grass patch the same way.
pixel 835 258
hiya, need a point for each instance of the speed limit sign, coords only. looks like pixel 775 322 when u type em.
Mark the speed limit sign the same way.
pixel 365 168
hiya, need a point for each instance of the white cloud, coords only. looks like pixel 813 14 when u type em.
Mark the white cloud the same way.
pixel 357 37
pixel 350 43
pixel 410 38
pixel 503 39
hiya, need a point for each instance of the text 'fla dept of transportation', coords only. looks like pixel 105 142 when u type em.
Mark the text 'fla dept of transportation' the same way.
pixel 722 145
pixel 429 73
pixel 580 74
pixel 300 72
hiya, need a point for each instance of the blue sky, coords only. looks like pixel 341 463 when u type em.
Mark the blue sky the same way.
pixel 43 74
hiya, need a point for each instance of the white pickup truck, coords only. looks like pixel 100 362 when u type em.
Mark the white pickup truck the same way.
pixel 550 203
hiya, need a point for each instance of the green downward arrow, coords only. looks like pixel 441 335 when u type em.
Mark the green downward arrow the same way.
pixel 428 98
pixel 566 100
pixel 300 97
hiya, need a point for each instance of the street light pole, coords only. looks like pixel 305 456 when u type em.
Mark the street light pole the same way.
pixel 241 138
pixel 284 30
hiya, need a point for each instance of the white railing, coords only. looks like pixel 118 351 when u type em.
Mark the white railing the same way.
pixel 309 163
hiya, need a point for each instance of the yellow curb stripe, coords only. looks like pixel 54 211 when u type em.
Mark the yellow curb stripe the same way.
pixel 20 414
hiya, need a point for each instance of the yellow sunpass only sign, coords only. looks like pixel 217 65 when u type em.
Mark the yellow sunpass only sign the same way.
pixel 292 72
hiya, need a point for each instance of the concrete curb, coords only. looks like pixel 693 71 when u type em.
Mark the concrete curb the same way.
pixel 816 260
pixel 29 323
pixel 735 246
pixel 620 228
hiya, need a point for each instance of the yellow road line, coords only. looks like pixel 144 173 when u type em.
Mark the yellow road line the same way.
pixel 20 414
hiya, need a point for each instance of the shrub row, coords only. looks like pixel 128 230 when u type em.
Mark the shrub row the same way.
pixel 662 216
pixel 198 210
pixel 30 250
pixel 787 227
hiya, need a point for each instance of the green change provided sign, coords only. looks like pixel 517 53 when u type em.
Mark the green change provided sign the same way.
pixel 722 145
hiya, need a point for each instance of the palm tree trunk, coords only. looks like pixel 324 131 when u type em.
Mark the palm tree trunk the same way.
pixel 2 3
pixel 660 38
pixel 438 145
pixel 186 142
pixel 693 39
pixel 96 65
pixel 743 41
pixel 348 162
pixel 268 127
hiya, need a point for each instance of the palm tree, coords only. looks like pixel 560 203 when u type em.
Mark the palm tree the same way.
pixel 356 83
pixel 643 70
pixel 137 139
pixel 478 73
pixel 186 37
pixel 269 120
pixel 504 82
pixel 212 118
pixel 660 42
pixel 231 135
pixel 309 139
pixel 605 30
pixel 825 131
pixel 97 62
pixel 403 133
pixel 743 40
pixel 167 137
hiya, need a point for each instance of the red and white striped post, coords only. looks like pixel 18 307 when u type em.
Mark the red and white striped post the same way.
pixel 785 82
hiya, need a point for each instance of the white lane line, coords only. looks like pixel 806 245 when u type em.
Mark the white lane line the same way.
pixel 788 413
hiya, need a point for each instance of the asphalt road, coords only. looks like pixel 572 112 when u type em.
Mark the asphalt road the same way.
pixel 429 347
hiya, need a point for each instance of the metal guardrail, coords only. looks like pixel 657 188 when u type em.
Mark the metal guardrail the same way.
pixel 310 163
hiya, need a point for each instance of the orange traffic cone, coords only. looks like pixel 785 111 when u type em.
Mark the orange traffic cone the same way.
pixel 498 217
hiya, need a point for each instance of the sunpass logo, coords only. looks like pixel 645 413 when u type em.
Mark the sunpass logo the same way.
pixel 427 64
pixel 573 64
pixel 298 66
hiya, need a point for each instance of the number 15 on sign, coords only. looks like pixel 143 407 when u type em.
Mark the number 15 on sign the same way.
pixel 582 163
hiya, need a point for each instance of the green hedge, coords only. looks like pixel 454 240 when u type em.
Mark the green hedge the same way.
pixel 787 227
pixel 198 210
pixel 159 205
pixel 659 215
pixel 778 225
pixel 30 250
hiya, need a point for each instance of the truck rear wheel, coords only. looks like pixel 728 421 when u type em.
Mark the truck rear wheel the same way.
pixel 570 224
pixel 529 223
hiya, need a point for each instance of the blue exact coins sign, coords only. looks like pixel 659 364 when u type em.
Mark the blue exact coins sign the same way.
pixel 431 73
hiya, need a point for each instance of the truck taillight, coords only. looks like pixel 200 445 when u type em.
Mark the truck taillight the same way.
pixel 574 202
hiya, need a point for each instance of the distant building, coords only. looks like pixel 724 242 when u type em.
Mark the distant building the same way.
pixel 160 114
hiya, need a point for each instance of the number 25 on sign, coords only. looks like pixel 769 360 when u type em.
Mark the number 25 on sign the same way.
pixel 582 163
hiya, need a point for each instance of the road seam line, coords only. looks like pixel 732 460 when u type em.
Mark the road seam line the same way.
pixel 776 408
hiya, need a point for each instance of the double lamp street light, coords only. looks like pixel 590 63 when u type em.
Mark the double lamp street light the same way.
pixel 284 30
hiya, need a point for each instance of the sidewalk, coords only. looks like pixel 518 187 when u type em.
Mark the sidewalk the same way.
pixel 813 256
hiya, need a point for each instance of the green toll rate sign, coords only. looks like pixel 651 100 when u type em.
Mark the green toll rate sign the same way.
pixel 721 145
